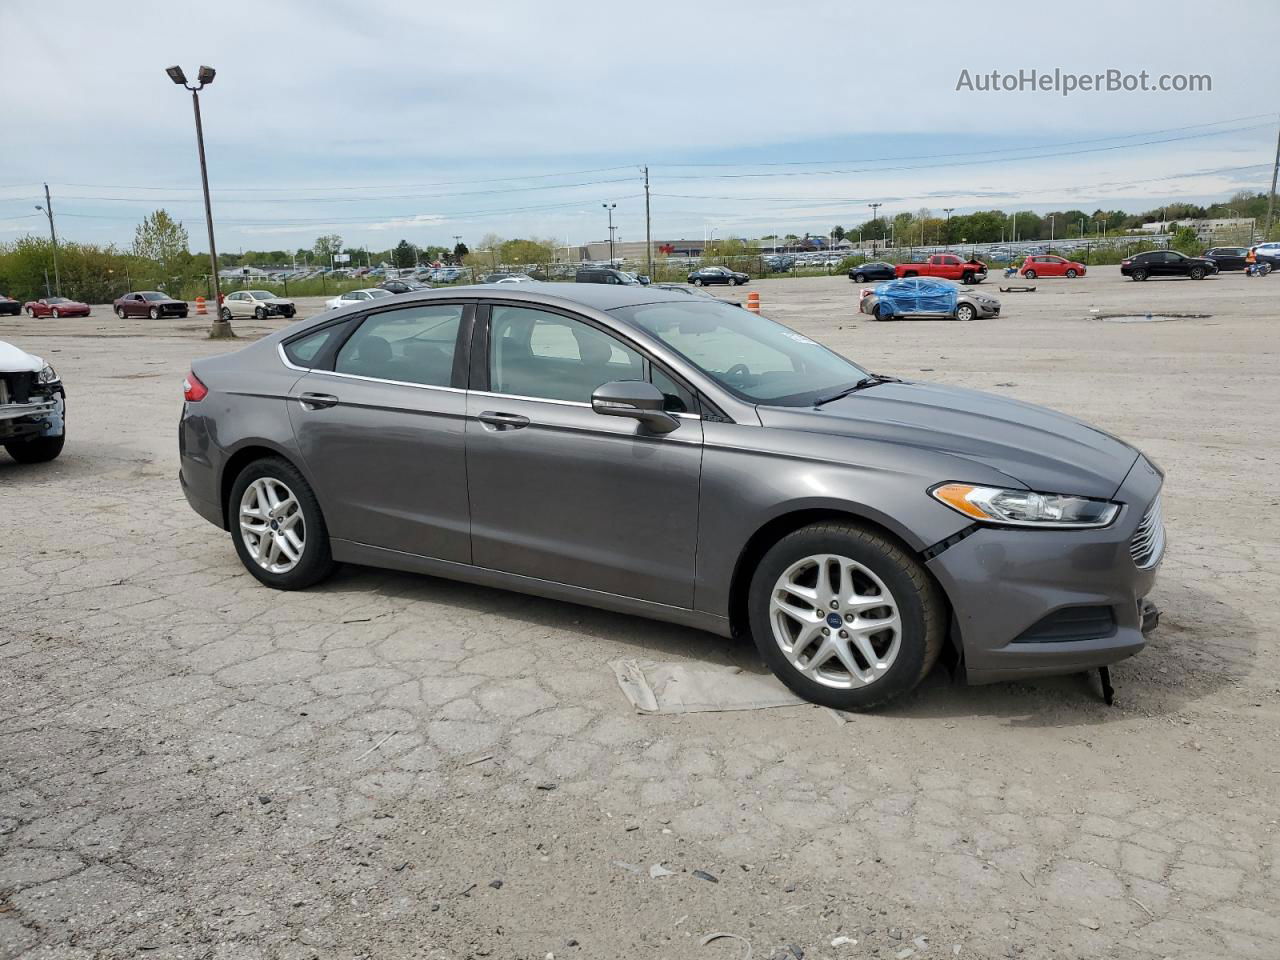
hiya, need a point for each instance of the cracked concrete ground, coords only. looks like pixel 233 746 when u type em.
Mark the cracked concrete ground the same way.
pixel 193 766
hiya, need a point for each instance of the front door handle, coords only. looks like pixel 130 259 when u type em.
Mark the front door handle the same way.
pixel 503 421
pixel 318 401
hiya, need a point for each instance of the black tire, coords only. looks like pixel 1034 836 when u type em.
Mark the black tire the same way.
pixel 697 282
pixel 120 312
pixel 36 449
pixel 910 273
pixel 876 313
pixel 921 608
pixel 290 314
pixel 316 562
pixel 965 312
pixel 225 313
pixel 155 313
pixel 1139 274
pixel 31 313
pixel 1196 273
pixel 860 278
pixel 259 313
pixel 1029 274
pixel 55 314
pixel 1071 274
pixel 967 278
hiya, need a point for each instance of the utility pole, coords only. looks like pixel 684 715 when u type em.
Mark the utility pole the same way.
pixel 53 235
pixel 609 207
pixel 648 236
pixel 947 229
pixel 1271 199
pixel 874 207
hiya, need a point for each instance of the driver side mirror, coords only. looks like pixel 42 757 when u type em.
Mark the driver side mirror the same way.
pixel 635 399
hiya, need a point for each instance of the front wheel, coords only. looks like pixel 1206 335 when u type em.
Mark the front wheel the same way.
pixel 36 449
pixel 31 312
pixel 1139 274
pixel 278 529
pixel 844 616
pixel 1071 274
pixel 860 278
pixel 965 312
pixel 1197 273
pixel 155 313
pixel 55 314
pixel 1030 274
pixel 259 313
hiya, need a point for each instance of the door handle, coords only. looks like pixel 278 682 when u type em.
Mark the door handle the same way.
pixel 317 401
pixel 503 421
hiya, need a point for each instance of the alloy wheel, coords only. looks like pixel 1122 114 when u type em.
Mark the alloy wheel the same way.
pixel 835 621
pixel 271 525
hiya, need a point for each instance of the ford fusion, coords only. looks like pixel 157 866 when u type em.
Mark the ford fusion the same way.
pixel 681 459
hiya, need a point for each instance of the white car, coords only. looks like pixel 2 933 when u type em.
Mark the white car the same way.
pixel 357 296
pixel 256 303
pixel 32 407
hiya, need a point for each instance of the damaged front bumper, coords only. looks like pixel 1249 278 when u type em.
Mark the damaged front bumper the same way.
pixel 39 417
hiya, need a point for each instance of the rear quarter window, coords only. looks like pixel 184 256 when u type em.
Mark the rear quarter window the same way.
pixel 303 351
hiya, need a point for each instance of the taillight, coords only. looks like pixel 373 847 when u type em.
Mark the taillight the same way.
pixel 193 390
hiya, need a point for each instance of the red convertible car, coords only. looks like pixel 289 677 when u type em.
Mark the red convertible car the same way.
pixel 1050 266
pixel 149 303
pixel 56 307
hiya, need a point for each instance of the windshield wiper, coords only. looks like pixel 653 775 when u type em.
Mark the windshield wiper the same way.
pixel 868 381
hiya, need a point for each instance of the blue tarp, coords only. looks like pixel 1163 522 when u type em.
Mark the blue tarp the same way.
pixel 917 295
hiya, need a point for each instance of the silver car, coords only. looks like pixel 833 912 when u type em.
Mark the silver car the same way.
pixel 674 457
pixel 256 303
pixel 926 298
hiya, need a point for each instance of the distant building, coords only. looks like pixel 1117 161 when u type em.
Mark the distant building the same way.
pixel 1239 229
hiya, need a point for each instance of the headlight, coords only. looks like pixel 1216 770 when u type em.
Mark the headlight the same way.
pixel 1025 508
pixel 47 375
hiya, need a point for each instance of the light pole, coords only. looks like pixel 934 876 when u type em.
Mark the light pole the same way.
pixel 47 209
pixel 609 208
pixel 947 229
pixel 1051 233
pixel 220 329
pixel 874 207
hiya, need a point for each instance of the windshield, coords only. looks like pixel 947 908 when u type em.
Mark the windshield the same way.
pixel 56 300
pixel 155 296
pixel 751 357
pixel 379 293
pixel 261 294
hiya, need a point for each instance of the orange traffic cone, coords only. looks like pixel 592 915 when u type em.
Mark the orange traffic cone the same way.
pixel 753 302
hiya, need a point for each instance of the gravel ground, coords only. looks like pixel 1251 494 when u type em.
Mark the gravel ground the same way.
pixel 194 766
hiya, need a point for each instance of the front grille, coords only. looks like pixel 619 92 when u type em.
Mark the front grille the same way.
pixel 1147 545
pixel 18 386
pixel 1071 624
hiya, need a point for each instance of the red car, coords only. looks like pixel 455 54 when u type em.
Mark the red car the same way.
pixel 56 307
pixel 1050 266
pixel 946 266
pixel 149 303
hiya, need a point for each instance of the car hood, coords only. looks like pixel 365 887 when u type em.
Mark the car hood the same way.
pixel 13 360
pixel 1041 448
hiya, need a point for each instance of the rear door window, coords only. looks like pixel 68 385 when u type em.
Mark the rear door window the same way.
pixel 410 345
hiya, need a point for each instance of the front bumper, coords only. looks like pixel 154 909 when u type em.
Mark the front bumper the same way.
pixel 1003 582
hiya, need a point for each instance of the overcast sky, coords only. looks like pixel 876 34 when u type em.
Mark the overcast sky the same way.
pixel 385 120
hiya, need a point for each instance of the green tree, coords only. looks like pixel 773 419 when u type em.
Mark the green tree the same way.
pixel 460 252
pixel 525 251
pixel 405 254
pixel 325 247
pixel 160 238
pixel 838 232
pixel 1186 241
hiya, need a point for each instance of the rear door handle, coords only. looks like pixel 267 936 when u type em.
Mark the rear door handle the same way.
pixel 503 421
pixel 317 401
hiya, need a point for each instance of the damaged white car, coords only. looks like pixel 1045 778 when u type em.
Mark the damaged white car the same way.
pixel 32 407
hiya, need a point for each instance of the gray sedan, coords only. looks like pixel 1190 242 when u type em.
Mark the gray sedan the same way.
pixel 677 458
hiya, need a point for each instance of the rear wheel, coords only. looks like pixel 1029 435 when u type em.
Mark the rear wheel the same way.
pixel 877 313
pixel 120 312
pixel 697 281
pixel 31 312
pixel 844 616
pixel 1139 274
pixel 965 312
pixel 278 529
pixel 55 313
pixel 225 313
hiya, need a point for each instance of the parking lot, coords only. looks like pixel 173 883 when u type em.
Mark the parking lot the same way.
pixel 389 765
